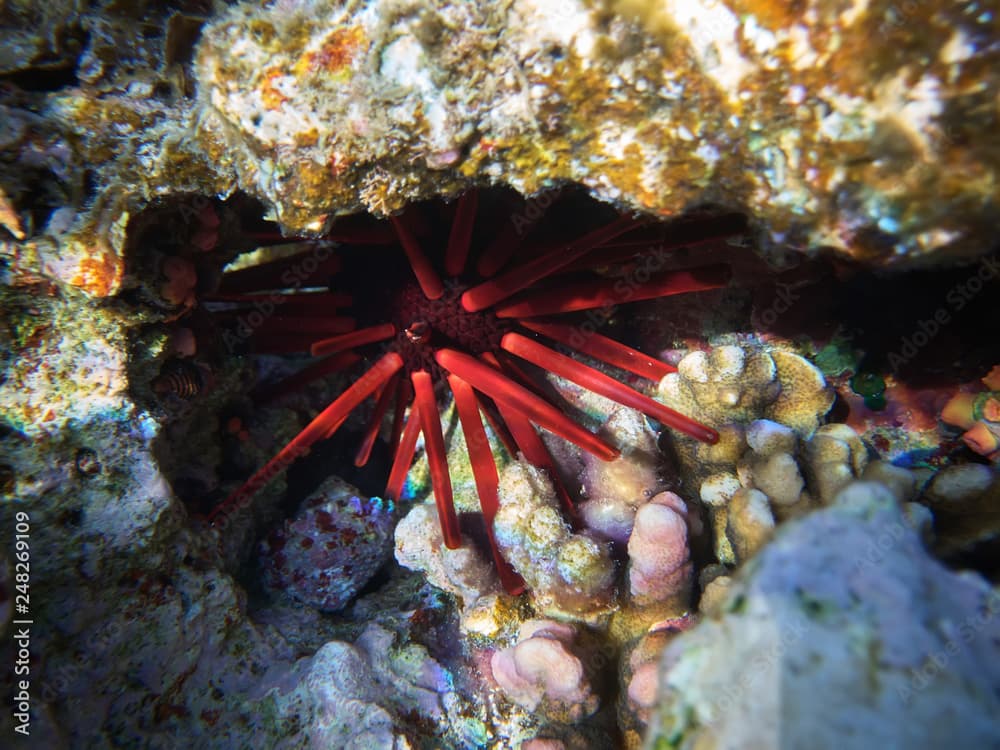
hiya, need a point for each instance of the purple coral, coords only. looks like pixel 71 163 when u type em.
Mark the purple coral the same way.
pixel 542 672
pixel 659 558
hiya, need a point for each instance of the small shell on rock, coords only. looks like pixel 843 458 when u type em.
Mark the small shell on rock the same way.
pixel 331 548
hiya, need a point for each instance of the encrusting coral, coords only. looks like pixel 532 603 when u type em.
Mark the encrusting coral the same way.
pixel 779 477
pixel 731 386
pixel 766 404
pixel 659 557
pixel 569 574
pixel 613 490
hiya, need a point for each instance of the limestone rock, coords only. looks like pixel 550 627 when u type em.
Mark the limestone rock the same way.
pixel 842 633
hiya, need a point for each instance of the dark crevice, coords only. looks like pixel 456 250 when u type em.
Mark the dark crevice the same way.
pixel 43 80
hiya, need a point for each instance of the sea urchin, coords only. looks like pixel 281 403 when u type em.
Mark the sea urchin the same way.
pixel 466 308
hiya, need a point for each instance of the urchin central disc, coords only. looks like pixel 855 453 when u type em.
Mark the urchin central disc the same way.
pixel 418 332
pixel 444 322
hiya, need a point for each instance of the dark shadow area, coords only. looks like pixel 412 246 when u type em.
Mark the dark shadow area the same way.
pixel 925 327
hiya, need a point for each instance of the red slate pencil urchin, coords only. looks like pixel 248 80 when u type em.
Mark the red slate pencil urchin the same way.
pixel 462 312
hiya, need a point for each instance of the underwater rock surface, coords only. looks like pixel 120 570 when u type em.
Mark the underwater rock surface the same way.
pixel 331 548
pixel 821 648
pixel 885 153
pixel 876 150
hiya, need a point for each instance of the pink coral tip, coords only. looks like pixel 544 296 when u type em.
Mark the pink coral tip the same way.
pixel 958 412
pixel 980 439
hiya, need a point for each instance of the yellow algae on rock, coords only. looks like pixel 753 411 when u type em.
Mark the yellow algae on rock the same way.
pixel 879 151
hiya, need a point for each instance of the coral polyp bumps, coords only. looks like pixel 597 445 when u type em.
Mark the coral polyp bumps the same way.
pixel 449 298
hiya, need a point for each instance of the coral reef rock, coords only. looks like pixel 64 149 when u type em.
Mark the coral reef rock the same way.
pixel 462 572
pixel 340 698
pixel 569 574
pixel 965 503
pixel 819 648
pixel 331 548
pixel 879 152
pixel 64 367
pixel 142 147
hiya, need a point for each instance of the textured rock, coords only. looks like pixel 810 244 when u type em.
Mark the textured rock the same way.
pixel 569 574
pixel 792 114
pixel 965 502
pixel 64 365
pixel 98 145
pixel 462 572
pixel 843 632
pixel 340 698
pixel 331 548
pixel 881 153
